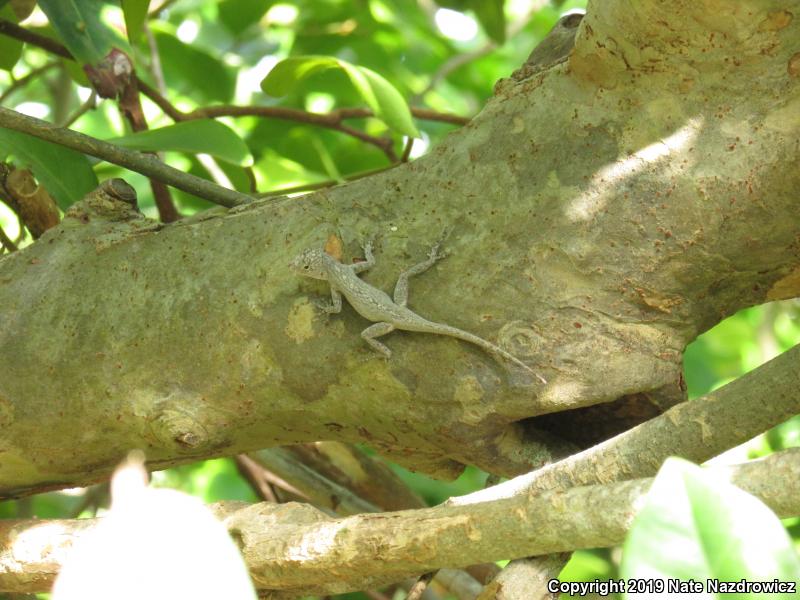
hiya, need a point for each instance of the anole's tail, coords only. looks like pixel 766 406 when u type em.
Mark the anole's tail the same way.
pixel 489 347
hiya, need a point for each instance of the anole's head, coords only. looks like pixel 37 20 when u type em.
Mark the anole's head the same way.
pixel 311 263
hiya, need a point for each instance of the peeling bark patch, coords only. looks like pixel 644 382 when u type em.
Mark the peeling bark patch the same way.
pixel 6 412
pixel 786 287
pixel 793 67
pixel 776 21
pixel 786 119
pixel 468 393
pixel 661 302
pixel 300 326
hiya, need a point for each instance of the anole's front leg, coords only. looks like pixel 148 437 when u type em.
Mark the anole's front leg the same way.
pixel 335 305
pixel 401 288
pixel 369 261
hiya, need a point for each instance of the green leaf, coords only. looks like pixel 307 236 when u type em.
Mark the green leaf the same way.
pixel 490 15
pixel 380 95
pixel 76 72
pixel 66 174
pixel 194 72
pixel 285 75
pixel 135 12
pixel 695 528
pixel 197 136
pixel 10 49
pixel 237 16
pixel 78 24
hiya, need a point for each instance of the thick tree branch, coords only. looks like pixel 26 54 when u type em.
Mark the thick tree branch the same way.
pixel 135 161
pixel 297 550
pixel 667 215
pixel 697 430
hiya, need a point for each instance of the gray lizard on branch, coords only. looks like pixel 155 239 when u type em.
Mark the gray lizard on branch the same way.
pixel 375 305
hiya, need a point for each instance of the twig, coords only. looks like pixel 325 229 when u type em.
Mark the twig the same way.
pixel 156 12
pixel 135 161
pixel 459 60
pixel 332 120
pixel 6 242
pixel 155 60
pixel 22 81
pixel 90 104
pixel 416 591
pixel 551 521
pixel 13 30
pixel 407 150
pixel 252 472
pixel 317 489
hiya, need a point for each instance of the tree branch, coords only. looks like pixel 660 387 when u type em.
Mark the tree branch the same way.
pixel 22 81
pixel 6 242
pixel 333 557
pixel 135 161
pixel 331 120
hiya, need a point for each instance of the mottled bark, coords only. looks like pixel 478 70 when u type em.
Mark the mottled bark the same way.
pixel 604 211
pixel 296 550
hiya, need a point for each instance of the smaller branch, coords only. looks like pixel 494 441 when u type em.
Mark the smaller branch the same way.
pixel 320 491
pixel 90 104
pixel 408 541
pixel 155 60
pixel 135 161
pixel 407 150
pixel 160 101
pixel 420 585
pixel 459 60
pixel 334 117
pixel 6 242
pixel 23 81
pixel 696 430
pixel 366 476
pixel 253 473
pixel 454 63
pixel 13 30
pixel 156 12
pixel 330 120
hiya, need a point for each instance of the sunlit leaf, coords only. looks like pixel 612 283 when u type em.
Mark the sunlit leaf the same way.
pixel 693 527
pixel 135 12
pixel 490 15
pixel 79 27
pixel 380 95
pixel 66 174
pixel 193 72
pixel 238 16
pixel 10 49
pixel 197 136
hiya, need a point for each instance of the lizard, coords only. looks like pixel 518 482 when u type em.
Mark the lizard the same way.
pixel 386 313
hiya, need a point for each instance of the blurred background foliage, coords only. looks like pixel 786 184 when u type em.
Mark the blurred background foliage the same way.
pixel 444 56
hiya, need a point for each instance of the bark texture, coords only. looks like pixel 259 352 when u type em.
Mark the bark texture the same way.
pixel 603 212
pixel 294 550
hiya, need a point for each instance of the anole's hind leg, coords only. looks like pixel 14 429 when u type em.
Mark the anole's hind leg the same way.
pixel 401 288
pixel 377 330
